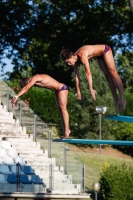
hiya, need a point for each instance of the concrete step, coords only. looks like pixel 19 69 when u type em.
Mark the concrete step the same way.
pixel 42 160
pixel 9 126
pixel 58 182
pixel 13 135
pixel 26 151
pixel 4 108
pixel 12 128
pixel 23 151
pixel 18 140
pixel 12 131
pixel 6 117
pixel 4 113
pixel 36 156
pixel 66 191
pixel 56 175
pixel 59 178
pixel 44 168
pixel 8 121
pixel 38 162
pixel 68 186
pixel 27 148
pixel 23 144
pixel 3 86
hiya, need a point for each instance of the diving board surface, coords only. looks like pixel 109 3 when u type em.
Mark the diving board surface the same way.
pixel 86 141
pixel 120 118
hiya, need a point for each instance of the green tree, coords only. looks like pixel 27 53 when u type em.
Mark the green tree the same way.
pixel 34 32
pixel 14 20
pixel 125 69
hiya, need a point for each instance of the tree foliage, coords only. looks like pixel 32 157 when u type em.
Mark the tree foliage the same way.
pixel 35 31
pixel 115 180
pixel 125 69
pixel 14 16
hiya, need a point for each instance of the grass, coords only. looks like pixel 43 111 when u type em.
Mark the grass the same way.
pixel 94 162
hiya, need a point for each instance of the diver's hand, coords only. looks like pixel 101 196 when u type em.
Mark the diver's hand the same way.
pixel 93 93
pixel 79 97
pixel 14 100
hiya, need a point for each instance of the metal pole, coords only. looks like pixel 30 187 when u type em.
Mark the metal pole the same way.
pixel 34 134
pixel 18 176
pixel 83 178
pixel 95 195
pixel 49 144
pixel 7 99
pixel 65 160
pixel 51 177
pixel 20 113
pixel 100 150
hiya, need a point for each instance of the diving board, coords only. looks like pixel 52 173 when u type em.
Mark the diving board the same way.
pixel 86 141
pixel 120 118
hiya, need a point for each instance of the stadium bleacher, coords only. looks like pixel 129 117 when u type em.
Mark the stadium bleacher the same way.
pixel 24 166
pixel 29 156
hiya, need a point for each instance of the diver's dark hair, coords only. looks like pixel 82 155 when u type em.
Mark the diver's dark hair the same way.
pixel 65 54
pixel 24 82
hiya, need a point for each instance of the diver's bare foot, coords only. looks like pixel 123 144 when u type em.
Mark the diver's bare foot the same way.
pixel 66 135
pixel 122 104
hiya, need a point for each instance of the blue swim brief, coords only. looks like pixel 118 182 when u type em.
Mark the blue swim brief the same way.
pixel 64 87
pixel 107 48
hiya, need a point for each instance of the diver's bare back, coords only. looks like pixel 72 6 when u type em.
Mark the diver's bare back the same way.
pixel 46 81
pixel 90 50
